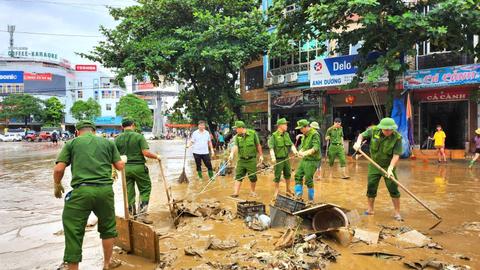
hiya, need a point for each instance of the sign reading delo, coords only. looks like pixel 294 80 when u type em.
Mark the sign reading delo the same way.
pixel 11 76
pixel 332 71
pixel 86 67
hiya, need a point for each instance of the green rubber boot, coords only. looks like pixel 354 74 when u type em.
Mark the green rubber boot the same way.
pixel 210 174
pixel 200 176
pixel 470 164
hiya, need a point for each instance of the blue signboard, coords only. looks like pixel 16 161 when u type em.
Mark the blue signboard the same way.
pixel 108 121
pixel 332 71
pixel 441 77
pixel 11 76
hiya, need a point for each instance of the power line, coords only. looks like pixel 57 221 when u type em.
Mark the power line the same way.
pixel 54 34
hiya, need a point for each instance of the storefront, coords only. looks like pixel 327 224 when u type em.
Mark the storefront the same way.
pixel 446 97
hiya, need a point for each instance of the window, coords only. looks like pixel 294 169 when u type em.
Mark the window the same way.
pixel 79 94
pixel 254 78
pixel 108 94
pixel 108 107
pixel 79 84
pixel 96 95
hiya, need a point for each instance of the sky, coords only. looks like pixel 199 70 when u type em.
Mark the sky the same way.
pixel 80 17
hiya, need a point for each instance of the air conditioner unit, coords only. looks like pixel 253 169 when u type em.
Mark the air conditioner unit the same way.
pixel 268 81
pixel 292 77
pixel 279 79
pixel 290 9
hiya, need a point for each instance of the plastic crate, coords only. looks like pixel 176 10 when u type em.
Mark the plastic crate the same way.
pixel 250 208
pixel 289 204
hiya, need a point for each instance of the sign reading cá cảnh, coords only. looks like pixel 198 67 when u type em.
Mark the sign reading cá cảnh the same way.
pixel 441 77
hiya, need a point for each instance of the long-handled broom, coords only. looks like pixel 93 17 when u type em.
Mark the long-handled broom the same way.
pixel 183 176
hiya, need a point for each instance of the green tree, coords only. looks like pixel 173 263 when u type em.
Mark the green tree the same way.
pixel 201 44
pixel 135 108
pixel 86 110
pixel 391 28
pixel 54 112
pixel 21 106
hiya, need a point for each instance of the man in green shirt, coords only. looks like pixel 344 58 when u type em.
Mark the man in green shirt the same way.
pixel 135 147
pixel 334 136
pixel 91 160
pixel 279 144
pixel 247 144
pixel 385 149
pixel 310 153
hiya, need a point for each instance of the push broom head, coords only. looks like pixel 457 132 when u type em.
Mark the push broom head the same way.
pixel 183 178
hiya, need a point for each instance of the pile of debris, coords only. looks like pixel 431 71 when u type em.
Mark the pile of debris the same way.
pixel 208 209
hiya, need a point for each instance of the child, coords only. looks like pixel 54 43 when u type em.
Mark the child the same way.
pixel 477 148
pixel 439 143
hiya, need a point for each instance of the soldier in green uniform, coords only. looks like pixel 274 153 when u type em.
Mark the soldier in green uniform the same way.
pixel 279 144
pixel 247 144
pixel 135 147
pixel 385 149
pixel 91 160
pixel 334 136
pixel 310 153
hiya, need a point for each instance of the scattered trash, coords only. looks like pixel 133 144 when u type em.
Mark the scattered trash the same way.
pixel 282 218
pixel 472 226
pixel 166 260
pixel 381 255
pixel 342 235
pixel 414 238
pixel 258 222
pixel 250 245
pixel 289 204
pixel 221 266
pixel 250 208
pixel 207 209
pixel 325 217
pixel 191 251
pixel 217 244
pixel 286 240
pixel 369 237
pixel 309 237
pixel 434 246
pixel 462 257
pixel 433 263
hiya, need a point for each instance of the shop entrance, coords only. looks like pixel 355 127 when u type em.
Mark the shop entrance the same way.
pixel 453 117
pixel 356 119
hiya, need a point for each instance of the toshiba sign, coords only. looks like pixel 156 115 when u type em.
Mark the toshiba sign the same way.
pixel 86 67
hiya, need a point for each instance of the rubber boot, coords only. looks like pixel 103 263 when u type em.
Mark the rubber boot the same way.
pixel 470 164
pixel 142 213
pixel 298 190
pixel 210 174
pixel 132 211
pixel 344 173
pixel 200 176
pixel 311 194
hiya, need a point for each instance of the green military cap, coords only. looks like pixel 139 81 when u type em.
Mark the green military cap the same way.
pixel 282 121
pixel 302 123
pixel 239 124
pixel 84 124
pixel 387 123
pixel 127 121
pixel 315 125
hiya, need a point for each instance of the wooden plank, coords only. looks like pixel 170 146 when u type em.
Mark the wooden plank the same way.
pixel 123 238
pixel 313 209
pixel 144 241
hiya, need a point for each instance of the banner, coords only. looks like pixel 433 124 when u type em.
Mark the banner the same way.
pixel 332 71
pixel 441 77
pixel 37 76
pixel 86 67
pixel 11 76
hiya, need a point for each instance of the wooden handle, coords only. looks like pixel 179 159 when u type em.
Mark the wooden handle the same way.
pixel 125 196
pixel 399 184
pixel 162 175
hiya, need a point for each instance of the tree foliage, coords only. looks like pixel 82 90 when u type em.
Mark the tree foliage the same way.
pixel 54 112
pixel 21 106
pixel 86 110
pixel 135 108
pixel 391 28
pixel 200 43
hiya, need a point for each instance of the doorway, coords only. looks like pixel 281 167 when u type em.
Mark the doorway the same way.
pixel 356 119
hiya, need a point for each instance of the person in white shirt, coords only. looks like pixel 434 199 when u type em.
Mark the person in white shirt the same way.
pixel 200 142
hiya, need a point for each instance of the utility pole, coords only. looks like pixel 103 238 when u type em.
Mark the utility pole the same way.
pixel 11 30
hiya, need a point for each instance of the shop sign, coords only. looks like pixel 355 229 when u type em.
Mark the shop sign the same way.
pixel 287 101
pixel 332 71
pixel 37 76
pixel 86 67
pixel 11 76
pixel 446 76
pixel 443 95
pixel 24 52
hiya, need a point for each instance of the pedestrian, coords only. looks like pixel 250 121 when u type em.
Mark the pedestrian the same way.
pixel 385 149
pixel 318 172
pixel 477 148
pixel 55 137
pixel 439 143
pixel 135 147
pixel 311 156
pixel 221 141
pixel 247 145
pixel 334 137
pixel 200 142
pixel 91 159
pixel 280 144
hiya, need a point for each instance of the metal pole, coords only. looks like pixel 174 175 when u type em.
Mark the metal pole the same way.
pixel 11 30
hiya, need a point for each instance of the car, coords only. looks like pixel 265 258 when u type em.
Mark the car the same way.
pixel 44 136
pixel 31 136
pixel 10 138
pixel 149 136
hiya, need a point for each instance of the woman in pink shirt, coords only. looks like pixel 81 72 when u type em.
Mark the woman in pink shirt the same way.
pixel 477 148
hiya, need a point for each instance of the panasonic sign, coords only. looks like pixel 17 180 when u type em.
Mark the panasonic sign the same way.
pixel 11 76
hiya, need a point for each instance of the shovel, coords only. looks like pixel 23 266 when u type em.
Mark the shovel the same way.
pixel 404 188
pixel 135 237
pixel 183 176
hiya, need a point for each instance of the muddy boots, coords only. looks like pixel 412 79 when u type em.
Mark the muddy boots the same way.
pixel 210 174
pixel 200 176
pixel 132 211
pixel 344 173
pixel 142 213
pixel 470 164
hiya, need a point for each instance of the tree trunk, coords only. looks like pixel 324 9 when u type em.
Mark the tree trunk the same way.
pixel 390 92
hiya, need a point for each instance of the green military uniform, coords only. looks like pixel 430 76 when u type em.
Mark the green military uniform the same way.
pixel 91 160
pixel 247 155
pixel 335 148
pixel 382 149
pixel 281 143
pixel 131 144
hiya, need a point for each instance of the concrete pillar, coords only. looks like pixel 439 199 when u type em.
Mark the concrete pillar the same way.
pixel 269 112
pixel 158 125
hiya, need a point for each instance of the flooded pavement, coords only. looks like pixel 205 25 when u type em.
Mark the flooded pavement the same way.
pixel 30 234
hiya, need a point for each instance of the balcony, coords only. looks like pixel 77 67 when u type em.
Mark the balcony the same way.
pixel 290 69
pixel 444 59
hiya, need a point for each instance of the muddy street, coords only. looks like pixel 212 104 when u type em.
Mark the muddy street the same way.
pixel 31 232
